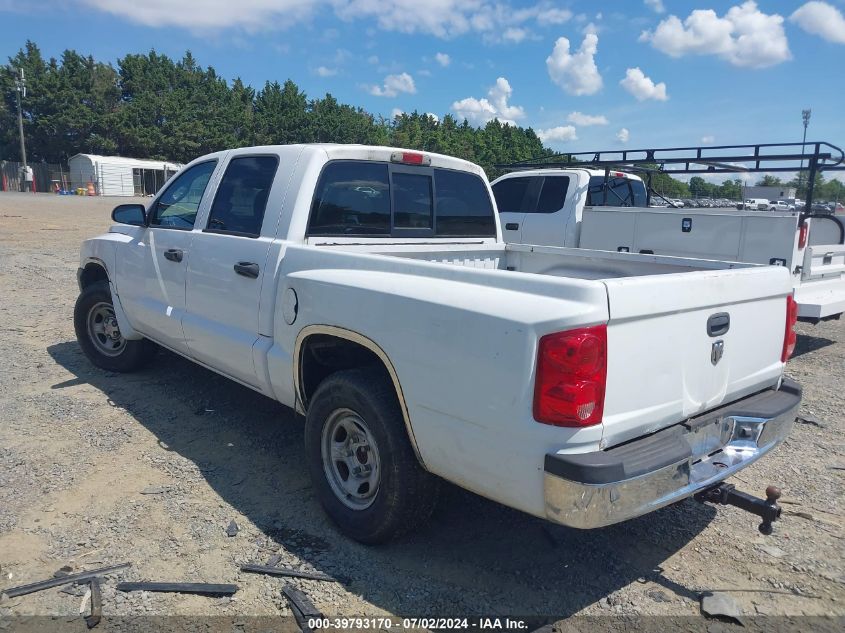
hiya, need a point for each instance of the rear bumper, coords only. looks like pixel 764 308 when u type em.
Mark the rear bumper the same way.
pixel 591 490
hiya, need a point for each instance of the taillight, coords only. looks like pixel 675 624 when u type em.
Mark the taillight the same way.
pixel 802 235
pixel 789 336
pixel 571 377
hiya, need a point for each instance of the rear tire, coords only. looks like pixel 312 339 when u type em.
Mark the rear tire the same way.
pixel 99 336
pixel 360 459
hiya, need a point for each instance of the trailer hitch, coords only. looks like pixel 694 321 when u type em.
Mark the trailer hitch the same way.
pixel 727 495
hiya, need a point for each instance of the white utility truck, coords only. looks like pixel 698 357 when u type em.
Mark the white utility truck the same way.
pixel 607 209
pixel 370 289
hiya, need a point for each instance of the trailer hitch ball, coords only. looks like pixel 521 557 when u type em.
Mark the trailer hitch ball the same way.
pixel 727 494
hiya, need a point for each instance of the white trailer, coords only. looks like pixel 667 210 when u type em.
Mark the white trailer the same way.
pixel 120 176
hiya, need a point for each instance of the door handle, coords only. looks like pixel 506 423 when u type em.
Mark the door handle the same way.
pixel 173 254
pixel 512 226
pixel 247 269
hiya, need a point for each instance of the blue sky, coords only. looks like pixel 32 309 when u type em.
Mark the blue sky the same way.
pixel 634 72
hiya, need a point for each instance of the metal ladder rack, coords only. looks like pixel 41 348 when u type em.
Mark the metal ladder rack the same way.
pixel 712 159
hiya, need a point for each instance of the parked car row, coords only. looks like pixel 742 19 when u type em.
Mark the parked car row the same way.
pixel 702 203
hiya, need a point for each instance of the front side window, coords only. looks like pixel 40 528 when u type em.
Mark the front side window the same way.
pixel 177 206
pixel 241 198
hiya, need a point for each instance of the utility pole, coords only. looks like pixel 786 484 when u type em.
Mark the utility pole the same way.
pixel 805 117
pixel 20 92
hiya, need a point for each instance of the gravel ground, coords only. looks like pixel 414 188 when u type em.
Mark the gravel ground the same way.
pixel 98 468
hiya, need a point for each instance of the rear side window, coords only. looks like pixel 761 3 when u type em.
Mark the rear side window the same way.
pixel 241 198
pixel 352 198
pixel 553 194
pixel 511 194
pixel 376 199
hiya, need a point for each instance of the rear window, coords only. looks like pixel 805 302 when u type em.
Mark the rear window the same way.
pixel 464 208
pixel 377 199
pixel 621 192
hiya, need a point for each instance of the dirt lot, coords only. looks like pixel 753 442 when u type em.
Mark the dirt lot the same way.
pixel 98 468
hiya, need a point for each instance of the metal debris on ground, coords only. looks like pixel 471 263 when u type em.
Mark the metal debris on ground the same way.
pixel 200 588
pixel 232 528
pixel 155 490
pixel 288 572
pixel 303 609
pixel 23 590
pixel 96 605
pixel 810 419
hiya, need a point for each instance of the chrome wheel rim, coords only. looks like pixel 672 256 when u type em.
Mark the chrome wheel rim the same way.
pixel 103 330
pixel 350 459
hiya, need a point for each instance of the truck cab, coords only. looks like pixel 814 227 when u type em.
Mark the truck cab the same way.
pixel 545 206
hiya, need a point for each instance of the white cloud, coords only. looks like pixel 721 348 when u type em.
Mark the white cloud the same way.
pixel 558 134
pixel 393 85
pixel 708 139
pixel 656 6
pixel 623 135
pixel 433 116
pixel 395 112
pixel 554 16
pixel 425 72
pixel 198 15
pixel 515 34
pixel 443 59
pixel 323 71
pixel 820 18
pixel 495 106
pixel 440 18
pixel 643 87
pixel 579 118
pixel 576 73
pixel 744 36
pixel 372 59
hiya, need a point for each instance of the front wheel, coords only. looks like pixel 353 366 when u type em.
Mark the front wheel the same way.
pixel 361 462
pixel 99 336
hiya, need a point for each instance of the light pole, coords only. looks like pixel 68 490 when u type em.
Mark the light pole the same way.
pixel 805 117
pixel 20 92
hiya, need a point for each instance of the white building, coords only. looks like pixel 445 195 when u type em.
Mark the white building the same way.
pixel 120 176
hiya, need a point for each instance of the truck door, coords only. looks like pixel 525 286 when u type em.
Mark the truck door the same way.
pixel 551 217
pixel 513 196
pixel 228 265
pixel 151 270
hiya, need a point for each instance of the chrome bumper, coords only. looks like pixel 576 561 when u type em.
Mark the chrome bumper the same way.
pixel 596 489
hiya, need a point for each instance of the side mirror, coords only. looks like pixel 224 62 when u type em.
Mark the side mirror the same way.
pixel 134 214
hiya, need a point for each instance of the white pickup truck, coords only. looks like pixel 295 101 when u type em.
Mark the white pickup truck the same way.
pixel 572 207
pixel 369 288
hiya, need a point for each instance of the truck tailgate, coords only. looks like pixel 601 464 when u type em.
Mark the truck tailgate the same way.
pixel 662 367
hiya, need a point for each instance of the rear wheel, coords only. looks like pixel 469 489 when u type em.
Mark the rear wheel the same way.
pixel 99 336
pixel 361 462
